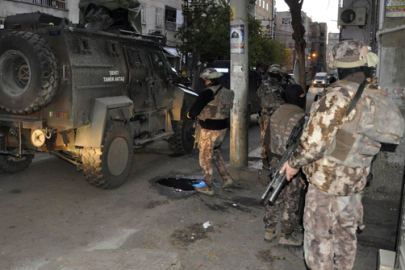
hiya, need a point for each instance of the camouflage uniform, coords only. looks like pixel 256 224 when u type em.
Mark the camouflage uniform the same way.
pixel 212 111
pixel 290 196
pixel 336 152
pixel 282 123
pixel 208 143
pixel 269 93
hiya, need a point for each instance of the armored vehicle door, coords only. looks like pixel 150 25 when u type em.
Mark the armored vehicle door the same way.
pixel 139 66
pixel 160 85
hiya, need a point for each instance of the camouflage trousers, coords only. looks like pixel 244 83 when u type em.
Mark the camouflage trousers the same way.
pixel 330 224
pixel 290 196
pixel 265 125
pixel 208 143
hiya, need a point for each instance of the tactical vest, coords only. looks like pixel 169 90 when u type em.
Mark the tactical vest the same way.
pixel 270 93
pixel 375 119
pixel 219 107
pixel 282 123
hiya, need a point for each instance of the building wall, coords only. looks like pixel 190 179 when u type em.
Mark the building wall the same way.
pixel 167 28
pixel 8 8
pixel 72 12
pixel 283 33
pixel 263 10
pixel 362 33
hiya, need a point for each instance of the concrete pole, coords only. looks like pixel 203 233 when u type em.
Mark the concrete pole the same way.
pixel 239 84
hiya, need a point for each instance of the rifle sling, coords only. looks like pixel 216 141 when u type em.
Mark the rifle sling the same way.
pixel 356 97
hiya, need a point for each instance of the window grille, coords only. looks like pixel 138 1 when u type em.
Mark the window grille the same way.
pixel 59 4
pixel 143 14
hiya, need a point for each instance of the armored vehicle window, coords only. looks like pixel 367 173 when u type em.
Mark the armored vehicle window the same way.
pixel 135 58
pixel 158 59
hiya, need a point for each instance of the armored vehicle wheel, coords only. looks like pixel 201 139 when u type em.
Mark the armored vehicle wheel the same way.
pixel 12 164
pixel 108 166
pixel 28 72
pixel 182 141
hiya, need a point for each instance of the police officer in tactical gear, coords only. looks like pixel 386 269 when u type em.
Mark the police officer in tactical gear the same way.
pixel 343 134
pixel 282 123
pixel 212 109
pixel 271 96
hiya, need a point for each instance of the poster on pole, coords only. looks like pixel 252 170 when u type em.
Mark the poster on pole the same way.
pixel 238 39
pixel 395 8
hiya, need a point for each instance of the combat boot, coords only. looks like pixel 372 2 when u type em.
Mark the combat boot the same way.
pixel 270 234
pixel 289 240
pixel 227 183
pixel 205 190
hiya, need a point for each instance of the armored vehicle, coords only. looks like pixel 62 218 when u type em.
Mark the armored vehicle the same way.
pixel 87 96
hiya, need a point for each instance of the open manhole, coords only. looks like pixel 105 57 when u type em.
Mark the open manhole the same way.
pixel 178 187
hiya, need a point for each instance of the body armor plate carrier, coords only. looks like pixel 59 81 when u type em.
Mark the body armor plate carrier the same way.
pixel 358 140
pixel 219 107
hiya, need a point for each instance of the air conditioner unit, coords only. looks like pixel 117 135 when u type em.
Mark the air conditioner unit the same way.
pixel 352 16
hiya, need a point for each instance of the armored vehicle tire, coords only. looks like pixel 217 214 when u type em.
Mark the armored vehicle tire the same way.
pixel 109 166
pixel 182 142
pixel 29 72
pixel 12 164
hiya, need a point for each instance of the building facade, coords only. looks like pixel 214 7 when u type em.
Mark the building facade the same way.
pixel 158 16
pixel 318 39
pixel 162 17
pixel 60 8
pixel 284 31
pixel 263 10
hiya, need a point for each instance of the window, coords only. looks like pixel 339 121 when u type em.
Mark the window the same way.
pixel 267 6
pixel 135 58
pixel 170 15
pixel 285 21
pixel 143 14
pixel 170 18
pixel 158 60
pixel 264 4
pixel 260 3
pixel 158 17
pixel 59 4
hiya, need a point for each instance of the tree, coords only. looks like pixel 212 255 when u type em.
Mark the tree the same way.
pixel 262 50
pixel 207 35
pixel 298 35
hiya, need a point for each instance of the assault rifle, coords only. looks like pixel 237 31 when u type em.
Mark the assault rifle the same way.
pixel 278 180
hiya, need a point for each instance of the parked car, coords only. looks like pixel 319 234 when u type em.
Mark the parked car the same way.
pixel 321 78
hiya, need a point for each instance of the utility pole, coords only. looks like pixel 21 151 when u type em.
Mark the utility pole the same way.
pixel 239 84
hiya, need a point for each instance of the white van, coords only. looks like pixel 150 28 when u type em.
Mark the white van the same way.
pixel 321 78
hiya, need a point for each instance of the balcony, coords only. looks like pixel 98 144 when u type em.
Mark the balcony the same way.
pixel 59 4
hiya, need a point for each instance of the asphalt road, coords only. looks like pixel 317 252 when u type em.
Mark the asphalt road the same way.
pixel 48 211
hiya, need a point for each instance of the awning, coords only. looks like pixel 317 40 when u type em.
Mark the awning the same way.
pixel 171 52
